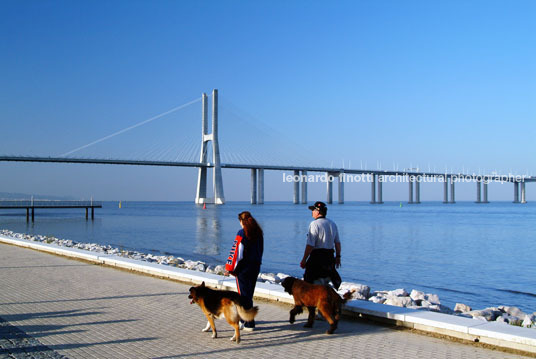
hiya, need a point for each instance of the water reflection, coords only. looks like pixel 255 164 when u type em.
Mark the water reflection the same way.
pixel 208 233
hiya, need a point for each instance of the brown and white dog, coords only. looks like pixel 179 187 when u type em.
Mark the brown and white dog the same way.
pixel 323 297
pixel 219 304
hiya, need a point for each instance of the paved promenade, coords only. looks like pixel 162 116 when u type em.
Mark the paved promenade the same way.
pixel 51 307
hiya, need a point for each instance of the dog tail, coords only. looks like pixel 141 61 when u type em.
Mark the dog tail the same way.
pixel 247 314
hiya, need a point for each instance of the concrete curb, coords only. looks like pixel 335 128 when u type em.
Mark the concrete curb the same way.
pixel 496 334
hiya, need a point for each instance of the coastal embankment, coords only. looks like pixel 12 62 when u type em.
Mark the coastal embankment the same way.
pixel 415 309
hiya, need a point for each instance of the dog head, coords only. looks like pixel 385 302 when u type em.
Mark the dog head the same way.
pixel 287 283
pixel 194 293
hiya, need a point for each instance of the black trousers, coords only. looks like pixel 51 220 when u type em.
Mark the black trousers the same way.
pixel 246 279
pixel 321 264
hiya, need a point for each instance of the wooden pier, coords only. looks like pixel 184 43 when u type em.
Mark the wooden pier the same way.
pixel 31 205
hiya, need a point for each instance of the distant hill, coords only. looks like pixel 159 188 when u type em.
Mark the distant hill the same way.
pixel 9 195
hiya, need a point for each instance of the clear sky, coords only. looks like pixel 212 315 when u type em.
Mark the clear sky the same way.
pixel 374 83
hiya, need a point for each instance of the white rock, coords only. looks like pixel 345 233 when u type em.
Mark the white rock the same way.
pixel 376 299
pixel 432 298
pixel 190 264
pixel 281 276
pixel 200 267
pixel 425 303
pixel 359 291
pixel 416 295
pixel 270 277
pixel 381 293
pixel 512 311
pixel 462 308
pixel 529 321
pixel 401 292
pixel 489 314
pixel 399 301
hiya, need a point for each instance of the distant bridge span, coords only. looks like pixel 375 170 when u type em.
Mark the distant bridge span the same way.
pixel 300 176
pixel 258 180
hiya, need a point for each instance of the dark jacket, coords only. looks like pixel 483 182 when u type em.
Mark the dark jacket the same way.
pixel 321 264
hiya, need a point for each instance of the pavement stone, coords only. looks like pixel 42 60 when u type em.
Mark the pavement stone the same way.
pixel 82 310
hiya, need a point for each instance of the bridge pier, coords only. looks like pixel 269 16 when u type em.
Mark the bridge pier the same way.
pixel 516 192
pixel 341 187
pixel 304 187
pixel 445 189
pixel 417 190
pixel 414 194
pixel 253 186
pixel 380 190
pixel 201 193
pixel 478 191
pixel 219 197
pixel 376 189
pixel 373 190
pixel 329 196
pixel 260 187
pixel 485 191
pixel 452 195
pixel 410 181
pixel 296 187
pixel 523 199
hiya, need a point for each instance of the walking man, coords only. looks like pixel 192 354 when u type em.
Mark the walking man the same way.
pixel 322 253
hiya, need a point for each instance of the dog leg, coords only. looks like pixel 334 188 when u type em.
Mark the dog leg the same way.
pixel 296 310
pixel 207 327
pixel 236 336
pixel 212 325
pixel 234 320
pixel 332 319
pixel 311 318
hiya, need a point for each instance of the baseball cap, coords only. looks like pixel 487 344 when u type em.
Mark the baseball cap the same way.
pixel 321 206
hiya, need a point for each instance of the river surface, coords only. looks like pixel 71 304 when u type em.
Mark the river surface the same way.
pixel 478 254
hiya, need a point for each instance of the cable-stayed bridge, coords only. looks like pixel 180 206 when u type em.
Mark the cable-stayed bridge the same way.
pixel 206 154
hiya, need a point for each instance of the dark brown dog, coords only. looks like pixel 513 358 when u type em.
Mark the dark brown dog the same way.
pixel 219 303
pixel 323 297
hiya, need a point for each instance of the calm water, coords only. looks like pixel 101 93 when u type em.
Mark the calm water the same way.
pixel 481 255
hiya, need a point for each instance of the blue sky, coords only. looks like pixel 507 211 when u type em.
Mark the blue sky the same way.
pixel 413 83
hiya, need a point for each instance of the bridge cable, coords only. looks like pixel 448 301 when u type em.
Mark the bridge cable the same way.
pixel 132 127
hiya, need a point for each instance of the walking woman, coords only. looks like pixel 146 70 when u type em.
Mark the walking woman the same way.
pixel 245 259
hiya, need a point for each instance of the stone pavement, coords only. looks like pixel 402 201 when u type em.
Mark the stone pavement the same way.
pixel 80 310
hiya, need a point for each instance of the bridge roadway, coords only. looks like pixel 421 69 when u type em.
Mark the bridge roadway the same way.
pixel 248 166
pixel 377 177
pixel 51 306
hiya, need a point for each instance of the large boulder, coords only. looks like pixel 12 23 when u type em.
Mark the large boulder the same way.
pixel 489 314
pixel 219 269
pixel 359 291
pixel 433 298
pixel 529 321
pixel 399 301
pixel 401 292
pixel 377 299
pixel 417 295
pixel 512 311
pixel 268 277
pixel 462 308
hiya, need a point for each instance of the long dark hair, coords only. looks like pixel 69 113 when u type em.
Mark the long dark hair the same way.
pixel 251 228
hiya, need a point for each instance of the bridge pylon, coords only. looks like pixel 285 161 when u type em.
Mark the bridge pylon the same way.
pixel 201 193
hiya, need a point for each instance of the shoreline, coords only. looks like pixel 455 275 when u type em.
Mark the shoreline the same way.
pixel 399 297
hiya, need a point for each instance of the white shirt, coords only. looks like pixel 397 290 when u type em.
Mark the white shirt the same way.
pixel 323 233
